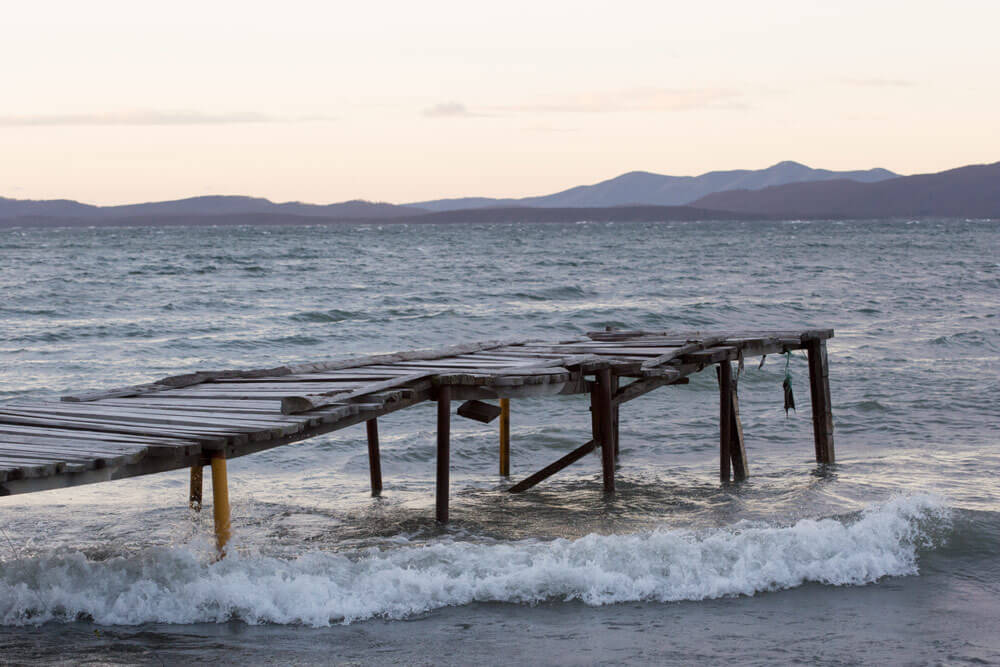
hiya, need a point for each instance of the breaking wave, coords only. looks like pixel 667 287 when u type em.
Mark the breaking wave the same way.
pixel 178 585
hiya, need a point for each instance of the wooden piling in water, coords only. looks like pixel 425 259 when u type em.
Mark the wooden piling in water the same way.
pixel 374 458
pixel 725 372
pixel 604 413
pixel 220 504
pixel 615 384
pixel 443 451
pixel 194 495
pixel 737 446
pixel 505 437
pixel 819 391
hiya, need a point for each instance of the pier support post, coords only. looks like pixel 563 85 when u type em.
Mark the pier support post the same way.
pixel 819 391
pixel 600 401
pixel 736 446
pixel 443 451
pixel 615 384
pixel 220 503
pixel 194 496
pixel 505 437
pixel 374 458
pixel 725 371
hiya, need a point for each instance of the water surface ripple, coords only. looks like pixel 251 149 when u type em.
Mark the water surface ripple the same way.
pixel 888 556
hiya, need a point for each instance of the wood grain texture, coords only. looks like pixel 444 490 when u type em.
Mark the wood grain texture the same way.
pixel 181 420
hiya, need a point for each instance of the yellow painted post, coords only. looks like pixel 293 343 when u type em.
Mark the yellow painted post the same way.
pixel 220 503
pixel 194 497
pixel 505 437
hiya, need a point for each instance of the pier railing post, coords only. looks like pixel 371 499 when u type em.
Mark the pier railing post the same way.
pixel 725 419
pixel 194 496
pixel 443 451
pixel 374 458
pixel 220 503
pixel 819 391
pixel 604 415
pixel 505 437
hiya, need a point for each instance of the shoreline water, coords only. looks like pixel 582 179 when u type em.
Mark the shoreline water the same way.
pixel 912 373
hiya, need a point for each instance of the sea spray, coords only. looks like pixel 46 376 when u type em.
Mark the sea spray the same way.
pixel 177 585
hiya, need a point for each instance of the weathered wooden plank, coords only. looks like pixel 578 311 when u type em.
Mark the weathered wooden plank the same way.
pixel 408 355
pixel 197 378
pixel 70 423
pixel 259 408
pixel 35 443
pixel 206 436
pixel 260 387
pixel 479 411
pixel 696 334
pixel 121 416
pixel 517 353
pixel 87 461
pixel 97 410
pixel 236 394
pixel 484 379
pixel 19 467
pixel 512 357
pixel 637 352
pixel 41 454
pixel 644 386
pixel 53 431
pixel 679 352
pixel 65 439
pixel 301 379
pixel 553 468
pixel 297 404
pixel 453 362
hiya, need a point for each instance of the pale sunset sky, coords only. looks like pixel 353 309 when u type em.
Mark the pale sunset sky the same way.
pixel 119 102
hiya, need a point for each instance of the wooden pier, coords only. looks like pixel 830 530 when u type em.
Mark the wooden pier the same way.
pixel 206 418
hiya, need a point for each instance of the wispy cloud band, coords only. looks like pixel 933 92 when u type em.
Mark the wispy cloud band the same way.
pixel 638 99
pixel 140 117
pixel 450 110
pixel 877 82
pixel 631 100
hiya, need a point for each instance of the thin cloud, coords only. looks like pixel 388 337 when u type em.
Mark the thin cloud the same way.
pixel 140 117
pixel 638 99
pixel 449 110
pixel 879 83
pixel 548 129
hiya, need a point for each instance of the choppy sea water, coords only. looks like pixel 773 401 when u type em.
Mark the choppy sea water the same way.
pixel 890 556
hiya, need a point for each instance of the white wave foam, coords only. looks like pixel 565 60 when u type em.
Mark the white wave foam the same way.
pixel 177 586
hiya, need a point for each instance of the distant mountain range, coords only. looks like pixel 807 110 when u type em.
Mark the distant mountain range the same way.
pixel 972 191
pixel 968 192
pixel 199 206
pixel 642 187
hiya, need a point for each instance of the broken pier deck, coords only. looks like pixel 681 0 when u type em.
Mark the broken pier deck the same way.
pixel 205 418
